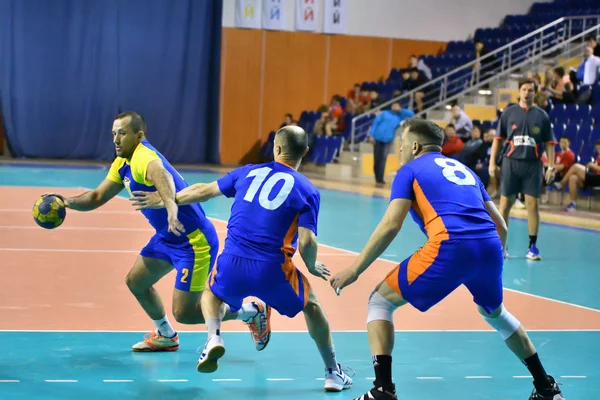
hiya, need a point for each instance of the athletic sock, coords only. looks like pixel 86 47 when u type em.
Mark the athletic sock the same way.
pixel 383 372
pixel 248 310
pixel 534 365
pixel 164 328
pixel 532 240
pixel 213 325
pixel 328 356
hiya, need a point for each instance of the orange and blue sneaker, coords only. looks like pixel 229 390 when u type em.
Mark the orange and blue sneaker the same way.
pixel 260 325
pixel 153 341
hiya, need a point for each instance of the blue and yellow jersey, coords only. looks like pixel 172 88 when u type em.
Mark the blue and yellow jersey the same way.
pixel 448 199
pixel 271 201
pixel 133 176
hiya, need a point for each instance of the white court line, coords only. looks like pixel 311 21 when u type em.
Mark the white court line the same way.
pixel 429 378
pixel 61 380
pixel 227 380
pixel 114 251
pixel 320 379
pixel 28 210
pixel 523 377
pixel 117 380
pixel 478 377
pixel 335 331
pixel 171 380
pixel 370 378
pixel 280 379
pixel 90 228
pixel 10 381
pixel 573 376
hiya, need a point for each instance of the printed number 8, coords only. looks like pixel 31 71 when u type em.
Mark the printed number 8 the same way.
pixel 450 168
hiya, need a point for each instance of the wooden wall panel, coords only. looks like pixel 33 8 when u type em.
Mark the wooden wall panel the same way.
pixel 295 76
pixel 242 66
pixel 266 74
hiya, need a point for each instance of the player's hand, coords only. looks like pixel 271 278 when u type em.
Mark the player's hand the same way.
pixel 60 196
pixel 320 270
pixel 492 170
pixel 550 174
pixel 175 226
pixel 343 279
pixel 142 200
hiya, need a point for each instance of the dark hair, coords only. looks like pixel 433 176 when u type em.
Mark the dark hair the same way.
pixel 597 142
pixel 565 137
pixel 428 132
pixel 294 141
pixel 450 126
pixel 527 81
pixel 560 71
pixel 591 37
pixel 136 122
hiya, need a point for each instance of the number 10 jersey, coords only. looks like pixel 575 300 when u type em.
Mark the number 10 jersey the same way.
pixel 448 199
pixel 271 201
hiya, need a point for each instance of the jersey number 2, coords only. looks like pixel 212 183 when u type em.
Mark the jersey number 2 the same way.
pixel 450 168
pixel 259 175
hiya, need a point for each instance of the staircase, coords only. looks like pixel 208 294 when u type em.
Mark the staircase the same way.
pixel 481 95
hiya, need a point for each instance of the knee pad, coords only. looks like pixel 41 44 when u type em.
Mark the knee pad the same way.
pixel 505 323
pixel 380 309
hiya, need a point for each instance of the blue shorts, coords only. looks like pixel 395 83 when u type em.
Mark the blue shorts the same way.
pixel 438 268
pixel 281 286
pixel 193 259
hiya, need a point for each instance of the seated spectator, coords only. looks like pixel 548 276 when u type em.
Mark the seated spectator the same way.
pixel 462 123
pixel 414 62
pixel 337 113
pixel 541 100
pixel 563 160
pixel 453 145
pixel 326 124
pixel 412 79
pixel 581 177
pixel 375 100
pixel 587 74
pixel 288 120
pixel 483 164
pixel 358 100
pixel 560 88
pixel 470 152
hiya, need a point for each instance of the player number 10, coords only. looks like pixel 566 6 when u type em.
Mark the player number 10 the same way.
pixel 259 175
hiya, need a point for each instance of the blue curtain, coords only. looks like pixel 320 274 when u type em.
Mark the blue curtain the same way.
pixel 67 67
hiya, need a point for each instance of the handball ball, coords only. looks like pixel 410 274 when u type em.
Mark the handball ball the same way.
pixel 49 212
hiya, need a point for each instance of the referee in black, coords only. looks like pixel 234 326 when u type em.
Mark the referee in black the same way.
pixel 526 129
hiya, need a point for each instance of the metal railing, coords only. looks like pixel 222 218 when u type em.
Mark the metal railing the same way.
pixel 543 42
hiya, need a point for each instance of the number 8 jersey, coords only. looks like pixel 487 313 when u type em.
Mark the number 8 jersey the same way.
pixel 448 199
pixel 271 201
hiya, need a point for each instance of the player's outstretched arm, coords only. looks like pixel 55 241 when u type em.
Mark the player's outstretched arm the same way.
pixel 499 221
pixel 381 238
pixel 199 193
pixel 307 247
pixel 93 199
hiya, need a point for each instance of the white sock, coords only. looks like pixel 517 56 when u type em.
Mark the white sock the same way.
pixel 248 310
pixel 164 327
pixel 213 325
pixel 328 356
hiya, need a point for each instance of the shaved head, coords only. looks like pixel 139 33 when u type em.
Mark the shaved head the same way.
pixel 293 143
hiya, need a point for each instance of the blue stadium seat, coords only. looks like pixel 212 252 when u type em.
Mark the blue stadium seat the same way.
pixel 559 130
pixel 334 146
pixel 319 150
pixel 571 133
pixel 585 131
pixel 583 113
pixel 595 134
pixel 595 114
pixel 571 112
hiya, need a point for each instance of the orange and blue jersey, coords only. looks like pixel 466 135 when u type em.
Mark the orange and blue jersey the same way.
pixel 193 253
pixel 448 199
pixel 463 246
pixel 272 201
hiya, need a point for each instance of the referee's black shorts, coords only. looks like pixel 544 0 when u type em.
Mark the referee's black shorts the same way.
pixel 519 176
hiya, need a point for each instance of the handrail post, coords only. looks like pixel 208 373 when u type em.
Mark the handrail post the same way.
pixel 352 135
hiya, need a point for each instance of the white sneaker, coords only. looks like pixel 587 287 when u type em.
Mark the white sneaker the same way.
pixel 337 380
pixel 209 358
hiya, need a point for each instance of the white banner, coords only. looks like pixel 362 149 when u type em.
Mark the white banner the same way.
pixel 336 16
pixel 247 14
pixel 273 15
pixel 306 15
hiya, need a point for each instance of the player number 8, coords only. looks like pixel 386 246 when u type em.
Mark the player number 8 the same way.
pixel 450 168
pixel 259 175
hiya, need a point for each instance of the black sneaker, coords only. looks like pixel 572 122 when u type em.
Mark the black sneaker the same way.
pixel 378 393
pixel 551 393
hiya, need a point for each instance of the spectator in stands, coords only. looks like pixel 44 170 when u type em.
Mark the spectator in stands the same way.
pixel 587 75
pixel 483 163
pixel 541 100
pixel 563 160
pixel 453 144
pixel 358 100
pixel 375 100
pixel 470 152
pixel 483 67
pixel 560 88
pixel 382 136
pixel 288 120
pixel 593 43
pixel 412 79
pixel 337 112
pixel 326 124
pixel 581 177
pixel 414 62
pixel 462 123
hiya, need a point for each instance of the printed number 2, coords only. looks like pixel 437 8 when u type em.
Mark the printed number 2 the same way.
pixel 185 272
pixel 259 175
pixel 450 168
